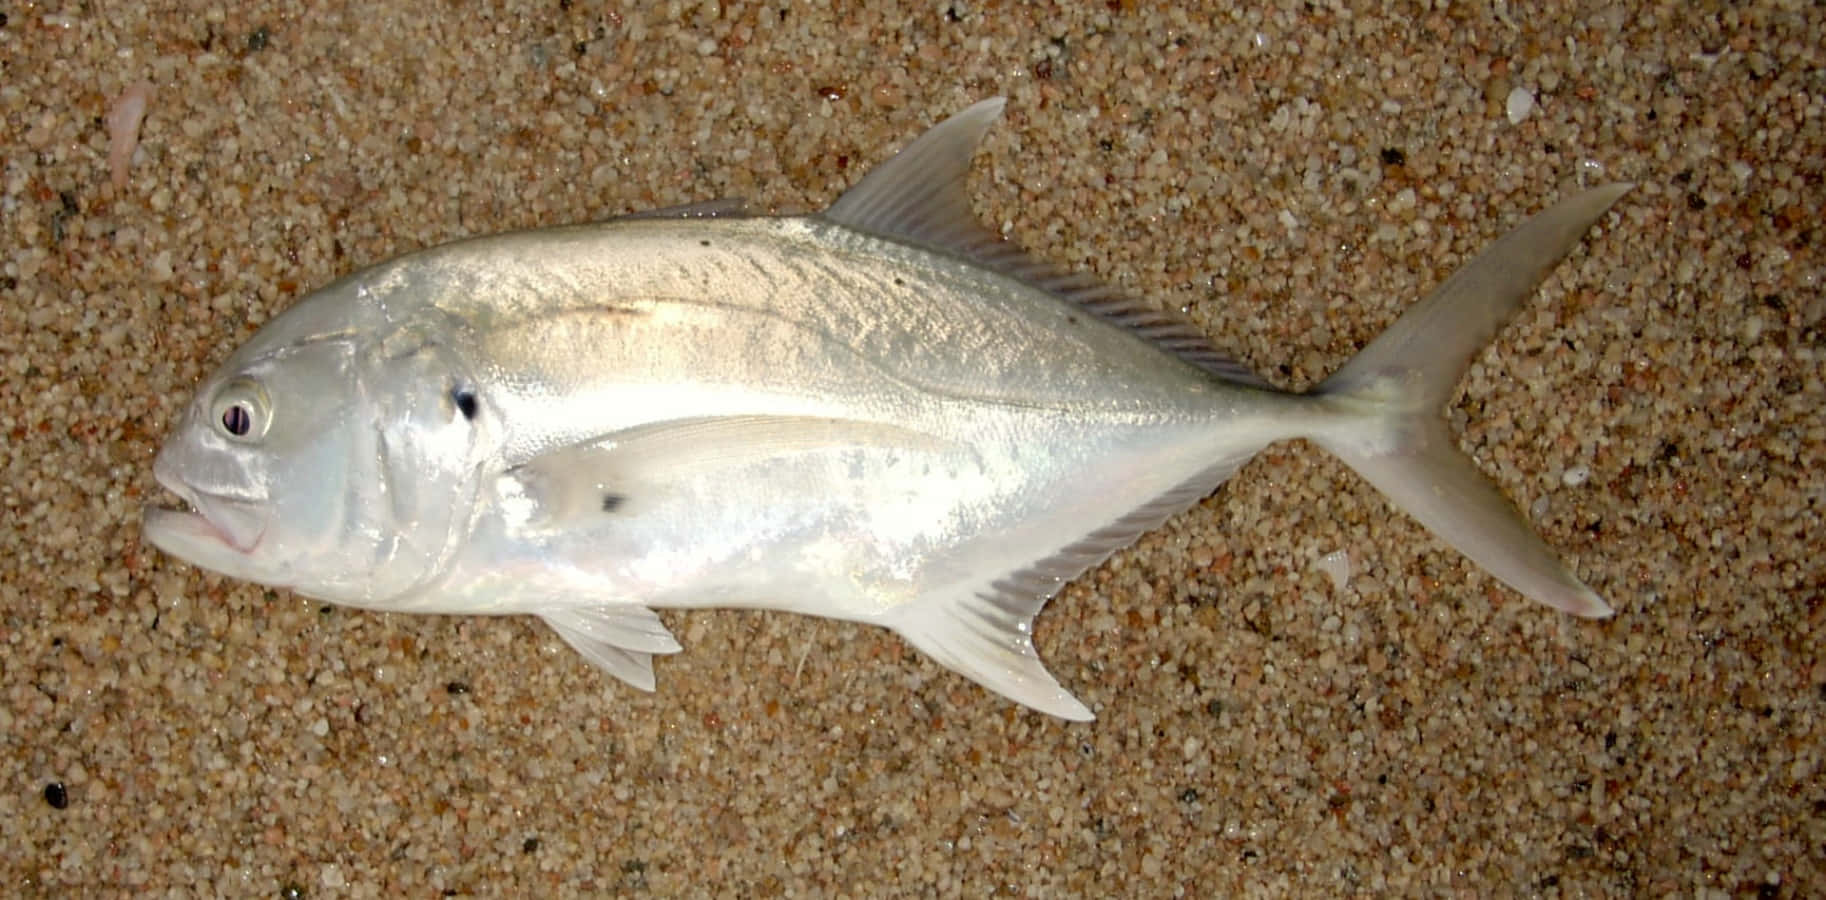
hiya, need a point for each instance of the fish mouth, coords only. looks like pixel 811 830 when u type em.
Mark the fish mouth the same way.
pixel 211 523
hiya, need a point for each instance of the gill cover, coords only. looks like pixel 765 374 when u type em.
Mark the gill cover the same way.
pixel 429 420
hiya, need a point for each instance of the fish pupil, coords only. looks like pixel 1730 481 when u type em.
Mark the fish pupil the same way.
pixel 236 420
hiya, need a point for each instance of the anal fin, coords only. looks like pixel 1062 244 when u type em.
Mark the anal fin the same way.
pixel 988 638
pixel 986 634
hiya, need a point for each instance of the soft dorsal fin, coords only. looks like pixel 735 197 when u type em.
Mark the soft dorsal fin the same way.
pixel 919 197
pixel 919 194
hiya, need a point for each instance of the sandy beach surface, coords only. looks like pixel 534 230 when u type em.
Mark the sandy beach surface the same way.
pixel 1273 720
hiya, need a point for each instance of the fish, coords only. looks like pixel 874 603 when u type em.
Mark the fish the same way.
pixel 881 413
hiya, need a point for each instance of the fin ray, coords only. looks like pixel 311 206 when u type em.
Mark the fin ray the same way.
pixel 630 665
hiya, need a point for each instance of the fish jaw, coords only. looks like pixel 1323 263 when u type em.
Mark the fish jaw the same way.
pixel 234 524
pixel 195 539
pixel 216 532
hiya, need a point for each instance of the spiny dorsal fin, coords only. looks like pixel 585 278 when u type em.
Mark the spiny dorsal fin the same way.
pixel 919 197
pixel 724 208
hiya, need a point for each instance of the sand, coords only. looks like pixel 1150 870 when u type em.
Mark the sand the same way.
pixel 1290 178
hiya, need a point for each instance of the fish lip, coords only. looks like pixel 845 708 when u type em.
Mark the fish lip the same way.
pixel 231 521
pixel 180 532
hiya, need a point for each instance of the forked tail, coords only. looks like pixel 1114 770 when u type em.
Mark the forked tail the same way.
pixel 1400 382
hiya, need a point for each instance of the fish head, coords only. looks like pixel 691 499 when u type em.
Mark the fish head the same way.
pixel 343 462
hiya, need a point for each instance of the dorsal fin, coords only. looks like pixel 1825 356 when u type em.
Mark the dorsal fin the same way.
pixel 919 197
pixel 919 194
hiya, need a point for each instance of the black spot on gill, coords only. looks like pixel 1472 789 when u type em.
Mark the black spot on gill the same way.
pixel 466 402
pixel 612 502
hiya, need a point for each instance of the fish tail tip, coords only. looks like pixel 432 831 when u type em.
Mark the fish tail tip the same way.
pixel 988 106
pixel 1615 190
pixel 1073 710
pixel 1580 601
pixel 1594 608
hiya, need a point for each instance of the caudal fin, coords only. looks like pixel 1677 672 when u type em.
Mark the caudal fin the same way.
pixel 1399 383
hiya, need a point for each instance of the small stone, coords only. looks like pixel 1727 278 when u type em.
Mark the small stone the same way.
pixel 1518 105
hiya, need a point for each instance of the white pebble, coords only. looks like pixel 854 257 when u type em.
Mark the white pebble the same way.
pixel 1519 105
pixel 1575 476
pixel 1336 566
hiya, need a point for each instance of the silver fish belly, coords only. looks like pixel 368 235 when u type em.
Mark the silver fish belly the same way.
pixel 882 414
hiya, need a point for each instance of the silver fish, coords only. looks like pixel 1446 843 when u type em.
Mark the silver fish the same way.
pixel 882 413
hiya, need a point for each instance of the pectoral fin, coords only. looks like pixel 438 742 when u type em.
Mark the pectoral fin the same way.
pixel 614 474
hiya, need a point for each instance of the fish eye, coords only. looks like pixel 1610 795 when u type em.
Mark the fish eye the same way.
pixel 241 410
